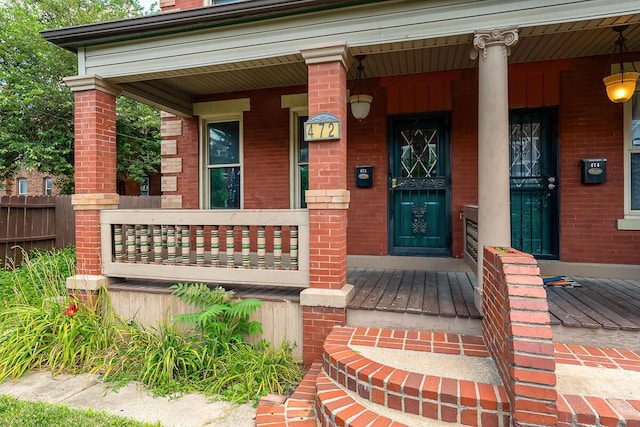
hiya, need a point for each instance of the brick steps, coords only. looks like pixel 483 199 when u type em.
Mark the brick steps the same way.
pixel 433 397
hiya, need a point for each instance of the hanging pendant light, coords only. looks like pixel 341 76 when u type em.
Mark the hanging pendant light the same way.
pixel 360 103
pixel 621 86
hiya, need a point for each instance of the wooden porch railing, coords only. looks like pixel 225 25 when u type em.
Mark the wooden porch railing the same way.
pixel 470 218
pixel 225 246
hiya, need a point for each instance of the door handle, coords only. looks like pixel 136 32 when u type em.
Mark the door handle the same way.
pixel 394 182
pixel 551 186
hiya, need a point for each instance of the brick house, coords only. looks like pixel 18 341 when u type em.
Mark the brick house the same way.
pixel 489 125
pixel 29 183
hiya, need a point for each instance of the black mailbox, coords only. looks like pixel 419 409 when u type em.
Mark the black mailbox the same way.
pixel 364 176
pixel 594 171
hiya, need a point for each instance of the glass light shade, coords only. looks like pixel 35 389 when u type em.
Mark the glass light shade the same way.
pixel 360 105
pixel 620 87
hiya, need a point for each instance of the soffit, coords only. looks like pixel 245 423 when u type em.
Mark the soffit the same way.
pixel 556 41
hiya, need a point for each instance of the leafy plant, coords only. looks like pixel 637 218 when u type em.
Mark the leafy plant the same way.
pixel 221 319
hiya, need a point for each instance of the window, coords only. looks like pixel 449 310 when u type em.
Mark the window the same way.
pixel 631 219
pixel 144 186
pixel 47 186
pixel 22 186
pixel 223 165
pixel 301 178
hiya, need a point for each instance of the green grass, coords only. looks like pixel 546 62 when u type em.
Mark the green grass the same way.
pixel 14 412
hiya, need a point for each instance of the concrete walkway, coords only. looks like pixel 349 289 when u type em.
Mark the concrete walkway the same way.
pixel 86 392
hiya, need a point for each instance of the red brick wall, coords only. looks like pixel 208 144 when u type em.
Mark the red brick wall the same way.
pixel 175 5
pixel 317 323
pixel 464 152
pixel 591 127
pixel 368 212
pixel 517 331
pixel 35 184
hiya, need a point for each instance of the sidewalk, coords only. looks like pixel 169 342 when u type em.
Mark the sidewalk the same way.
pixel 86 392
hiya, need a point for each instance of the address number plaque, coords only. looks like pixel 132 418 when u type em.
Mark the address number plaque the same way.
pixel 323 127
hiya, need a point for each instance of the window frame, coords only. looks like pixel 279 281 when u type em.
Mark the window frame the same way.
pixel 205 167
pixel 295 179
pixel 631 220
pixel 19 182
pixel 47 186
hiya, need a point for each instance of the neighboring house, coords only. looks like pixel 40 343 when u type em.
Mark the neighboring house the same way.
pixel 525 131
pixel 29 183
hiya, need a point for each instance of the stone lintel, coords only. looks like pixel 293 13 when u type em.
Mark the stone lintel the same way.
pixel 330 52
pixel 89 282
pixel 95 201
pixel 320 297
pixel 84 83
pixel 328 199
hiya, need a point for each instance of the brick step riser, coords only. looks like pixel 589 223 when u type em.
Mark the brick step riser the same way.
pixel 431 397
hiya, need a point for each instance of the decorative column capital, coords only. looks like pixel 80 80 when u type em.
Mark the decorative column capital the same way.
pixel 94 201
pixel 483 39
pixel 84 83
pixel 335 52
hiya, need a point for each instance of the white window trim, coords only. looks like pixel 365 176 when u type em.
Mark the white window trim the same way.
pixel 48 187
pixel 217 112
pixel 631 220
pixel 26 186
pixel 298 105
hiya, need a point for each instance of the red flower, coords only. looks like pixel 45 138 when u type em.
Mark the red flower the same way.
pixel 72 310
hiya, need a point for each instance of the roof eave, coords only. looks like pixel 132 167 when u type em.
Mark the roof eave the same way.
pixel 72 38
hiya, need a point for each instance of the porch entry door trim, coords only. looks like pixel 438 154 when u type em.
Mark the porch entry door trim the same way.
pixel 534 181
pixel 419 185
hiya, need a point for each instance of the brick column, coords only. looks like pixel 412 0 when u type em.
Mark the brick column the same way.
pixel 324 303
pixel 494 212
pixel 95 174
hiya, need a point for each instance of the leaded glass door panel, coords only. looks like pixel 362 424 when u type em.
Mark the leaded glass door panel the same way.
pixel 419 186
pixel 533 179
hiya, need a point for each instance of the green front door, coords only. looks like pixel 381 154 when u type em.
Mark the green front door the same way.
pixel 533 176
pixel 419 186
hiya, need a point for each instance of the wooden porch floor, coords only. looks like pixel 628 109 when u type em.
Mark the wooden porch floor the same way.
pixel 596 303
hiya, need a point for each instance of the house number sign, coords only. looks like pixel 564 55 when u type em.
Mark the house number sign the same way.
pixel 323 127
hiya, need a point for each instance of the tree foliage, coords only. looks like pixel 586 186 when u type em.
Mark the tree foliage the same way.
pixel 36 107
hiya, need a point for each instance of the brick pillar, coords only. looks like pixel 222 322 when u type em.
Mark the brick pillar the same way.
pixel 517 331
pixel 324 303
pixel 494 212
pixel 95 174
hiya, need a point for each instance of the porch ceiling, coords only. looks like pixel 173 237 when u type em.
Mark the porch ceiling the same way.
pixel 537 43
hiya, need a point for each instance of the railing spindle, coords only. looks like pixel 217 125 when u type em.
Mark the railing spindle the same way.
pixel 157 244
pixel 117 242
pixel 186 245
pixel 215 246
pixel 199 245
pixel 293 245
pixel 131 243
pixel 246 247
pixel 144 245
pixel 230 247
pixel 261 248
pixel 277 247
pixel 171 244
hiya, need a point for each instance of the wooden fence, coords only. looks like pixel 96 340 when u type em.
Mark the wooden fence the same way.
pixel 45 222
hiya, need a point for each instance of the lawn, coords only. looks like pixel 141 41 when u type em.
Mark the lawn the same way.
pixel 14 412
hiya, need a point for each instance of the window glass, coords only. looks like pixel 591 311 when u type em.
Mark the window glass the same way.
pixel 22 187
pixel 144 186
pixel 224 169
pixel 302 162
pixel 224 143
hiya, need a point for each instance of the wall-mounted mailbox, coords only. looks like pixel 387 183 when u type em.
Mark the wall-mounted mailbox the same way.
pixel 594 171
pixel 364 176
